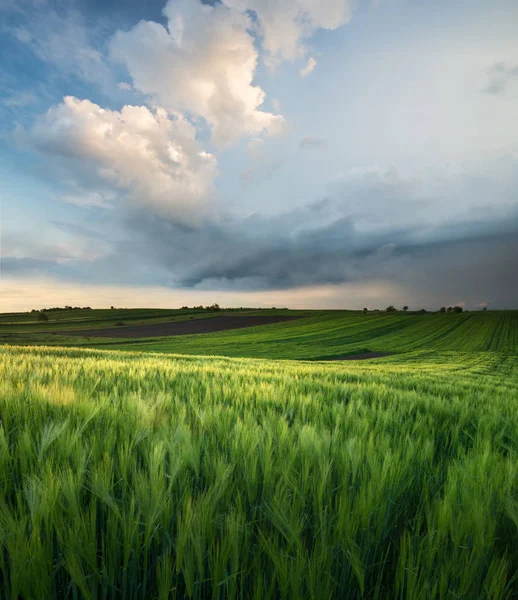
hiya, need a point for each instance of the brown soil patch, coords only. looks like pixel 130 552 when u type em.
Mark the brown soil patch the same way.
pixel 182 327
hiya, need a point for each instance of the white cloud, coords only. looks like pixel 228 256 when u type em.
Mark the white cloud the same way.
pixel 151 159
pixel 284 26
pixel 309 68
pixel 202 63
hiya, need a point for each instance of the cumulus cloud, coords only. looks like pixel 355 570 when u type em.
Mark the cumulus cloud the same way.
pixel 285 26
pixel 152 159
pixel 309 68
pixel 203 62
pixel 501 75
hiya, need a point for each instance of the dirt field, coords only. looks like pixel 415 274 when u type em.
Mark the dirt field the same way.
pixel 182 327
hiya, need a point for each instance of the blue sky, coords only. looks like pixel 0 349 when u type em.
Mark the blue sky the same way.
pixel 308 153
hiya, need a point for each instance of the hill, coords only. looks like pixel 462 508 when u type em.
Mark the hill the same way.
pixel 314 335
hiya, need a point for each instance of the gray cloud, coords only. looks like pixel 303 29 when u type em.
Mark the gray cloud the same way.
pixel 309 142
pixel 472 261
pixel 453 235
pixel 259 255
pixel 501 75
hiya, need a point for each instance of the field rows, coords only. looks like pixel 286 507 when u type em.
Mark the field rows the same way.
pixel 333 335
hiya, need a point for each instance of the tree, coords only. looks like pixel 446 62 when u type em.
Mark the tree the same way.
pixel 484 308
pixel 42 317
pixel 405 308
pixel 457 309
pixel 449 309
pixel 112 307
pixel 443 309
pixel 365 311
pixel 391 309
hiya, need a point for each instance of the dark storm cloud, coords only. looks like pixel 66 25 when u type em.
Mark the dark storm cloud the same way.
pixel 374 227
pixel 477 258
pixel 473 260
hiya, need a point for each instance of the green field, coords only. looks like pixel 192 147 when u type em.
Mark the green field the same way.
pixel 318 334
pixel 140 474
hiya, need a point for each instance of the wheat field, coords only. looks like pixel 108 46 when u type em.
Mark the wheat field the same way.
pixel 127 475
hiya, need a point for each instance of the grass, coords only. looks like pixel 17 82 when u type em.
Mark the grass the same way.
pixel 132 475
pixel 320 334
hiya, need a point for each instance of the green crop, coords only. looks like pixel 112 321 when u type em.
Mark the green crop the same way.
pixel 126 475
pixel 316 335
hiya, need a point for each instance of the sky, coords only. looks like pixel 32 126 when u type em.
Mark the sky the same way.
pixel 304 153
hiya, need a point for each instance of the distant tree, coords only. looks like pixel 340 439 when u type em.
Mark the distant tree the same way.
pixel 449 309
pixel 484 308
pixel 185 308
pixel 405 308
pixel 112 307
pixel 42 317
pixel 391 309
pixel 365 311
pixel 457 309
pixel 442 309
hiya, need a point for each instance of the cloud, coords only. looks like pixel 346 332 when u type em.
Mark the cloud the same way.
pixel 309 142
pixel 465 255
pixel 101 200
pixel 309 68
pixel 261 165
pixel 285 26
pixel 501 75
pixel 315 246
pixel 203 63
pixel 20 99
pixel 64 41
pixel 138 155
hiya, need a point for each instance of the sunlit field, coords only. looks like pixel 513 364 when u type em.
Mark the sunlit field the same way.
pixel 131 475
